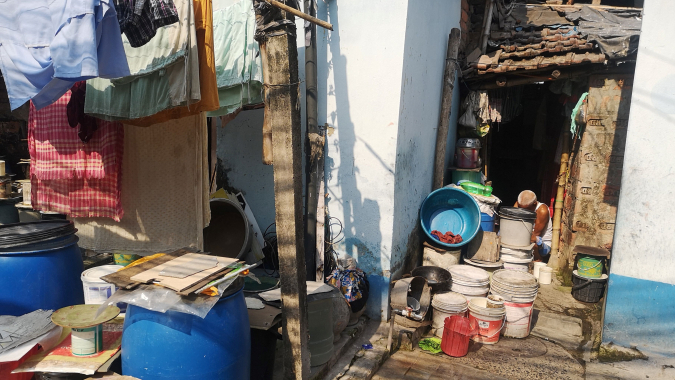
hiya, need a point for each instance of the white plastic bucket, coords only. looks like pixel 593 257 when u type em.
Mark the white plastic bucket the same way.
pixel 537 267
pixel 545 275
pixel 97 291
pixel 515 232
pixel 438 319
pixel 488 321
pixel 518 319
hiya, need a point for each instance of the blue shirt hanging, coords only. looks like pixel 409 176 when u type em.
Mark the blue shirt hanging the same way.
pixel 48 45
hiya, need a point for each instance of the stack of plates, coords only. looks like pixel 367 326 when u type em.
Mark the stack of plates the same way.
pixel 514 286
pixel 469 281
pixel 20 234
pixel 450 302
pixel 516 258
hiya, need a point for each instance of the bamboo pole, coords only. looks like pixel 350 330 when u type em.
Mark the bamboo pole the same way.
pixel 446 107
pixel 558 207
pixel 302 15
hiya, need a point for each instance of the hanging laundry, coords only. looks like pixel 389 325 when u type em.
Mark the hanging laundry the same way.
pixel 140 19
pixel 238 59
pixel 207 72
pixel 164 74
pixel 47 45
pixel 165 190
pixel 76 117
pixel 69 176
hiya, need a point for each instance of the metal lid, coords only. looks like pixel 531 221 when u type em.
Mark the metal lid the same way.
pixel 591 251
pixel 19 234
pixel 517 213
pixel 467 142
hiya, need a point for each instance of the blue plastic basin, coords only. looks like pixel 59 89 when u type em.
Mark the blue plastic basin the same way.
pixel 175 345
pixel 450 209
pixel 41 276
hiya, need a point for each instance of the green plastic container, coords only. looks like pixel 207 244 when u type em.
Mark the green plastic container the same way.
pixel 476 188
pixel 458 175
pixel 589 266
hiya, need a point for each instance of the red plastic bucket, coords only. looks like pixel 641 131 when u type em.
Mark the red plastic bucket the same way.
pixel 456 336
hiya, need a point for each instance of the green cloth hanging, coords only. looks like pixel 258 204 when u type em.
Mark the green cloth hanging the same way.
pixel 575 111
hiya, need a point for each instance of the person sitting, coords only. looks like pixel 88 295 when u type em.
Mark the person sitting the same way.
pixel 542 233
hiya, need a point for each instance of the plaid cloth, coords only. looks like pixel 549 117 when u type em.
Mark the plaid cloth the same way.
pixel 58 153
pixel 140 19
pixel 68 176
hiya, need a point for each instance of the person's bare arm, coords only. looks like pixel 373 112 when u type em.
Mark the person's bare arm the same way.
pixel 542 220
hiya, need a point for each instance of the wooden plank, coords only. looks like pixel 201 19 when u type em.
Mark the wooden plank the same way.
pixel 284 116
pixel 446 106
pixel 122 278
pixel 302 15
pixel 267 149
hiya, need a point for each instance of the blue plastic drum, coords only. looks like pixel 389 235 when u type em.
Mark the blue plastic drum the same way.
pixel 179 346
pixel 40 267
pixel 453 210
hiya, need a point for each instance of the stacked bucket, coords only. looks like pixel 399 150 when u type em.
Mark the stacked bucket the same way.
pixel 519 290
pixel 445 305
pixel 469 281
pixel 589 278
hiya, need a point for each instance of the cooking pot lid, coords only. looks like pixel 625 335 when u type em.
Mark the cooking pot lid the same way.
pixel 517 213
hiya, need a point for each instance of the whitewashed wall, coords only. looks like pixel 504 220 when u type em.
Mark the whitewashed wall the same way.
pixel 379 81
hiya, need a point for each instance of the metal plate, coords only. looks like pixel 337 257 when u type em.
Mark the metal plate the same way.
pixel 83 316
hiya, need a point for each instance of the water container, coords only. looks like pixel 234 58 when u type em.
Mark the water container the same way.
pixel 320 320
pixel 487 222
pixel 516 226
pixel 181 346
pixel 44 274
pixel 449 209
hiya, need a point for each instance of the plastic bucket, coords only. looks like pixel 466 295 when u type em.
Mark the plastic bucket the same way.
pixel 589 266
pixel 438 319
pixel 588 289
pixel 518 319
pixel 537 266
pixel 516 226
pixel 97 291
pixel 545 275
pixel 487 222
pixel 125 258
pixel 487 322
pixel 456 336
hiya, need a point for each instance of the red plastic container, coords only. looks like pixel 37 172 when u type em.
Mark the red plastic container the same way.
pixel 456 336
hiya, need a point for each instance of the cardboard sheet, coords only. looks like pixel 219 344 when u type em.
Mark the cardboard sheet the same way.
pixel 178 284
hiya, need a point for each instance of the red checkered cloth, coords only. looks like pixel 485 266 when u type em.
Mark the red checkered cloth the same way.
pixel 58 152
pixel 69 176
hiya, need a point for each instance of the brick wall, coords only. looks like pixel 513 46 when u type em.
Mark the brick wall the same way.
pixel 594 185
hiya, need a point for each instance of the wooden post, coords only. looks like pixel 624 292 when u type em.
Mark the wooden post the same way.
pixel 558 207
pixel 446 106
pixel 283 114
pixel 267 128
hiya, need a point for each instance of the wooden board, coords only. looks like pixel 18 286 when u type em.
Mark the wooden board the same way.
pixel 180 284
pixel 484 247
pixel 122 278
